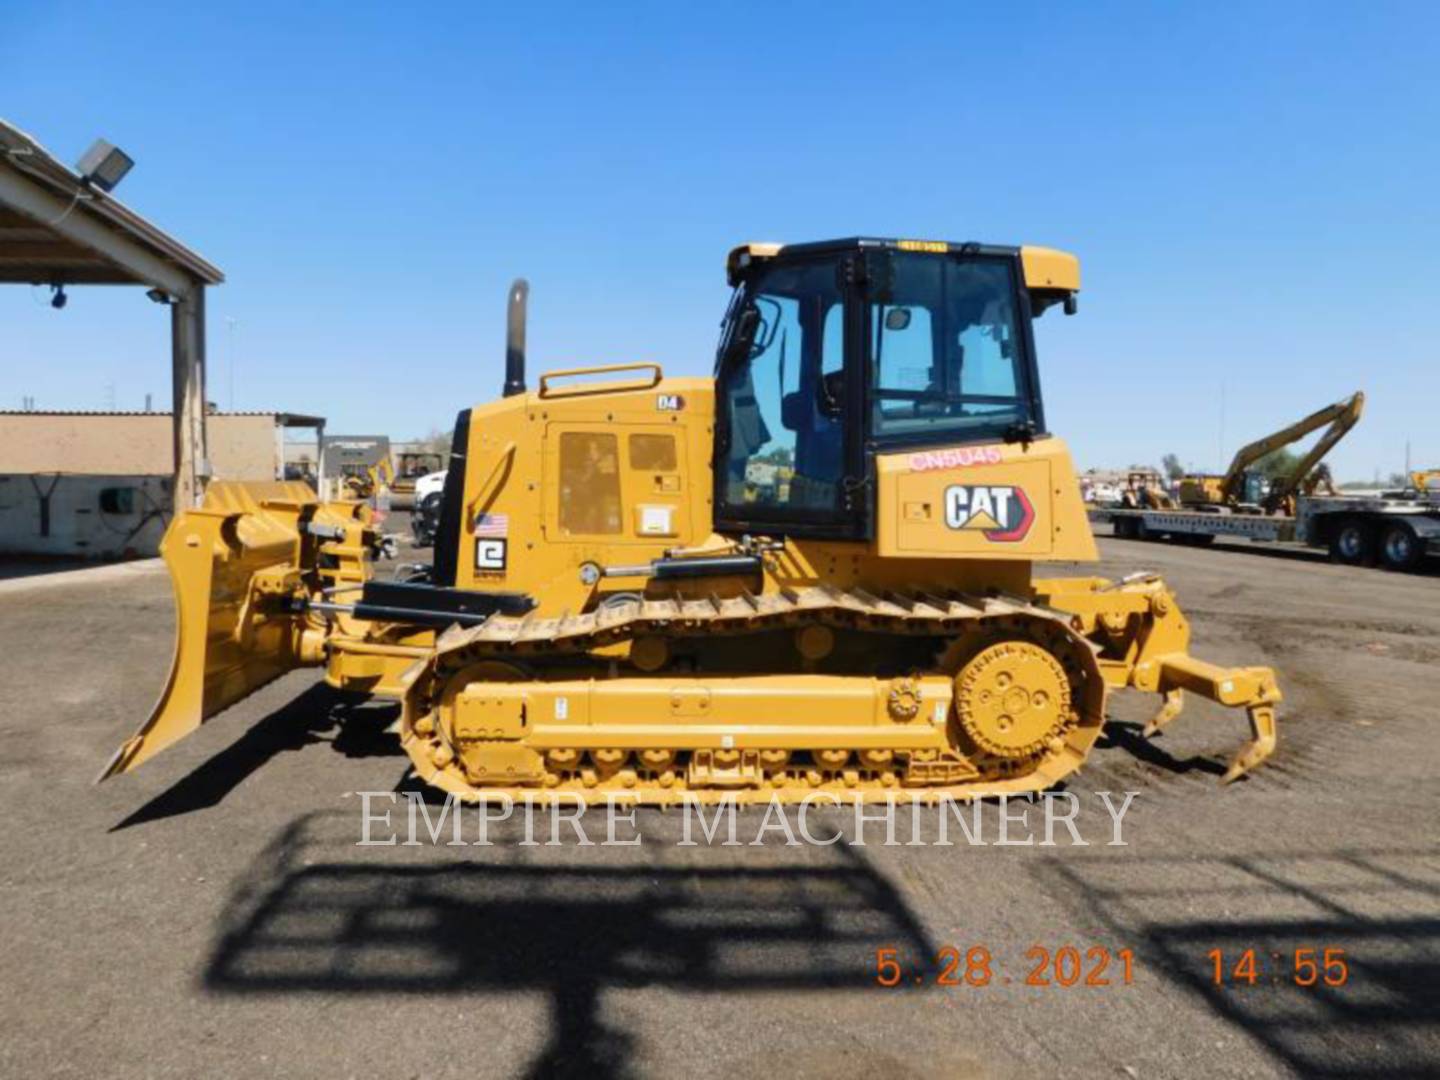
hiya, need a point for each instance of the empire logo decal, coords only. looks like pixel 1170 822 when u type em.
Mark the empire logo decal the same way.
pixel 490 555
pixel 1002 512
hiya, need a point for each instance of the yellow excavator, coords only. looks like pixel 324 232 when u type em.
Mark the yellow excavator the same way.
pixel 812 573
pixel 365 481
pixel 1242 489
pixel 1425 481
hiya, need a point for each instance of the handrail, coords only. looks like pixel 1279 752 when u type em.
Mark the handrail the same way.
pixel 548 391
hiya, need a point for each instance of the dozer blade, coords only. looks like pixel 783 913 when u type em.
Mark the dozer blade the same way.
pixel 232 563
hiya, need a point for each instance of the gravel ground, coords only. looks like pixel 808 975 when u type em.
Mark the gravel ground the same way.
pixel 212 914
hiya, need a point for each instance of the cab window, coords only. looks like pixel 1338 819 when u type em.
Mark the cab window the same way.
pixel 945 356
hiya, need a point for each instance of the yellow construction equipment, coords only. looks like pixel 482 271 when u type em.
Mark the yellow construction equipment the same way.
pixel 1425 481
pixel 410 466
pixel 366 481
pixel 1145 490
pixel 1238 489
pixel 812 573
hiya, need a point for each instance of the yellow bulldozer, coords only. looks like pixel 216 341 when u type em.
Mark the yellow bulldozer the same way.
pixel 811 573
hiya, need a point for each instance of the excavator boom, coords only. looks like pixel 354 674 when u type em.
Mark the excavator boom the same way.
pixel 1341 416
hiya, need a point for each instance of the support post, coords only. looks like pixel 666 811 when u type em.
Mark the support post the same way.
pixel 187 332
pixel 320 460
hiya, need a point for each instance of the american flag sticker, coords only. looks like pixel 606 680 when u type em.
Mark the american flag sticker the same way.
pixel 492 525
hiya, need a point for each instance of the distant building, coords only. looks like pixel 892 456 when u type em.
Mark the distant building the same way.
pixel 98 484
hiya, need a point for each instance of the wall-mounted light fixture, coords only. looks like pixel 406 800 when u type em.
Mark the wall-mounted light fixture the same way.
pixel 104 165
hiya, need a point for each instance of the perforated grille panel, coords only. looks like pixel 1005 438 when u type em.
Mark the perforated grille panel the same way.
pixel 590 484
pixel 652 453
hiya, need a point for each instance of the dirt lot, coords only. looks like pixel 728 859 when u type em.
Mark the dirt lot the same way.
pixel 212 914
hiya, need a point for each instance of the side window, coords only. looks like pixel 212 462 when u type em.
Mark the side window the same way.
pixel 785 449
pixel 833 359
pixel 762 448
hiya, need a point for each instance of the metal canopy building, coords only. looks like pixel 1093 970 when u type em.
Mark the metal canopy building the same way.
pixel 59 228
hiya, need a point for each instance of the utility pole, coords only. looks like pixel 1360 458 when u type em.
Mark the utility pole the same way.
pixel 1220 445
pixel 230 325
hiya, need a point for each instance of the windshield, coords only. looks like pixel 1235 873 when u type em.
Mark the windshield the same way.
pixel 945 355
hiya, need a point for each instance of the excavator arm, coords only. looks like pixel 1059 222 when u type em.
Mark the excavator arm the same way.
pixel 1341 417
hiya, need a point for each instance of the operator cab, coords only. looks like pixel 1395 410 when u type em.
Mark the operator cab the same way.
pixel 833 352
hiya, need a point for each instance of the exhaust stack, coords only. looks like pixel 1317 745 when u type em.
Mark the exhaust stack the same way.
pixel 515 338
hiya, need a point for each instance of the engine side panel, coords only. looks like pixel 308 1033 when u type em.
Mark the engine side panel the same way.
pixel 1008 501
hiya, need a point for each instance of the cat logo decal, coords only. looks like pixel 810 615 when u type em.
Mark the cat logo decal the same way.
pixel 1002 512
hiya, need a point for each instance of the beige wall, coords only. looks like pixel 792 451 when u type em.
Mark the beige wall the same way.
pixel 241 447
pixel 244 447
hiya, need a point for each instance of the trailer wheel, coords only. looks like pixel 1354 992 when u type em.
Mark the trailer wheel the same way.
pixel 1123 528
pixel 1353 543
pixel 1400 548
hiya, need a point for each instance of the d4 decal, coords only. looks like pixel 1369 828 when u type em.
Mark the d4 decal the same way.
pixel 1000 511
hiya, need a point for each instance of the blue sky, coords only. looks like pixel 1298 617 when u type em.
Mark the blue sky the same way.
pixel 1251 188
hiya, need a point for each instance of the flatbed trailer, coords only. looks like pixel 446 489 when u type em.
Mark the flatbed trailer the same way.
pixel 1396 530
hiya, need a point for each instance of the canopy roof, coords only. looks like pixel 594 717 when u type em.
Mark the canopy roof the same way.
pixel 57 229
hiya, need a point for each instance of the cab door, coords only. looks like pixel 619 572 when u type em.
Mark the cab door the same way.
pixel 783 444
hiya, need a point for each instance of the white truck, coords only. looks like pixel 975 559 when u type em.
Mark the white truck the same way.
pixel 425 517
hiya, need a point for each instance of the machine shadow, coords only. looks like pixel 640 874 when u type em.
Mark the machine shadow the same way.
pixel 1382 1021
pixel 353 725
pixel 1127 735
pixel 316 916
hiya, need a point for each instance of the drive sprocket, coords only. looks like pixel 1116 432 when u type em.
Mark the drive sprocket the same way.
pixel 1013 698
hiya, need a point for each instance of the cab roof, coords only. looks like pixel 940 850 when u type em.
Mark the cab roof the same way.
pixel 1046 269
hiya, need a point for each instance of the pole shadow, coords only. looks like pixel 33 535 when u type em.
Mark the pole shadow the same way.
pixel 1381 907
pixel 313 916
